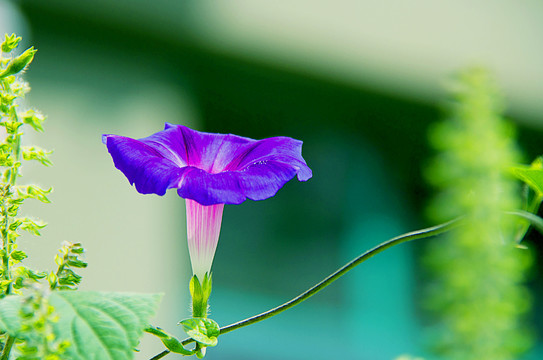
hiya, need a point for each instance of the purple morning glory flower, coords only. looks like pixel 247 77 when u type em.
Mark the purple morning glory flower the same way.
pixel 208 170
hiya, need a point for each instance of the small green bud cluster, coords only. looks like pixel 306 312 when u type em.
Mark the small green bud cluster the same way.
pixel 10 43
pixel 38 318
pixel 36 340
pixel 16 64
pixel 68 257
pixel 14 276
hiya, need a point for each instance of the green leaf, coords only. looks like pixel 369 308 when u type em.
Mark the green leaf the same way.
pixel 100 325
pixel 34 192
pixel 76 248
pixel 171 343
pixel 35 275
pixel 37 153
pixel 15 225
pixel 69 279
pixel 531 175
pixel 11 126
pixel 31 226
pixel 34 119
pixel 75 262
pixel 5 157
pixel 203 330
pixel 535 220
pixel 10 321
pixel 18 255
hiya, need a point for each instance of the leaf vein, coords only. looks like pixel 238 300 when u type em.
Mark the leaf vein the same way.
pixel 100 340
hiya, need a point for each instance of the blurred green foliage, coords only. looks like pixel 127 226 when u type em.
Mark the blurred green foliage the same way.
pixel 477 289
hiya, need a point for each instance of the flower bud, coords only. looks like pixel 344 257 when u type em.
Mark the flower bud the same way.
pixel 10 42
pixel 18 64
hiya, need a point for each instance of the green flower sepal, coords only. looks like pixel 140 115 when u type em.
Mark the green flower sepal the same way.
pixel 200 292
pixel 203 330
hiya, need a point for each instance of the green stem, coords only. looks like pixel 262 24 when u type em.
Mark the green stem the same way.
pixel 161 355
pixel 5 242
pixel 7 348
pixel 420 234
pixel 14 172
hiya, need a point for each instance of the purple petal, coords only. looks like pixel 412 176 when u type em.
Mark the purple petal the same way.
pixel 257 182
pixel 209 168
pixel 143 165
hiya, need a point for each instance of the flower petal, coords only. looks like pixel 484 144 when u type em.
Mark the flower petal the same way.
pixel 208 168
pixel 143 165
pixel 203 228
pixel 281 149
pixel 257 182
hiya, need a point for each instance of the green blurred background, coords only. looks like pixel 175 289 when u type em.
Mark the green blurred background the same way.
pixel 358 82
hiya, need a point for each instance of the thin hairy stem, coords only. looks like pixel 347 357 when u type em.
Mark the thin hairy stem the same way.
pixel 420 234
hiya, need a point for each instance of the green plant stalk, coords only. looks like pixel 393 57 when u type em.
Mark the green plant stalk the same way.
pixel 477 290
pixel 161 355
pixel 419 234
pixel 5 245
pixel 13 172
pixel 7 348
